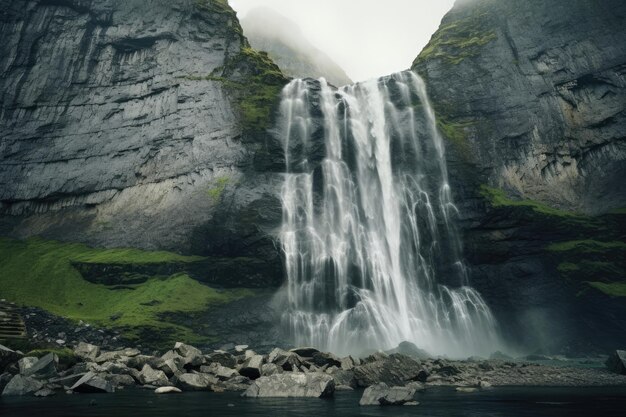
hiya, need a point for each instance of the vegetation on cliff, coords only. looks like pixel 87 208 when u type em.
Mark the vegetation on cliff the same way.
pixel 40 273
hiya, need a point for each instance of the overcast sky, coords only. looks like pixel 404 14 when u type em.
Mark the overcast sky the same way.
pixel 367 38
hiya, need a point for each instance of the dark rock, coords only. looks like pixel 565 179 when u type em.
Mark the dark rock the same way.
pixel 192 356
pixel 409 349
pixel 394 370
pixel 305 352
pixel 251 368
pixel 4 380
pixel 288 361
pixel 150 376
pixel 92 383
pixel 316 385
pixel 222 372
pixel 139 361
pixel 325 358
pixel 196 382
pixel 22 385
pixel 172 366
pixel 7 356
pixel 68 380
pixel 616 363
pixel 223 358
pixel 382 394
pixel 44 368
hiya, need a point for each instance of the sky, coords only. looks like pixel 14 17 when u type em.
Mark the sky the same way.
pixel 367 38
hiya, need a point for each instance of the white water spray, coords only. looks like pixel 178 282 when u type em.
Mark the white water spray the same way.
pixel 372 254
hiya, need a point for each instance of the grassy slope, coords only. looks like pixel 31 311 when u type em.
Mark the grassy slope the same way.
pixel 39 273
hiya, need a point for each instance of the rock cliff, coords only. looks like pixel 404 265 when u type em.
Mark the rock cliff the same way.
pixel 127 124
pixel 532 99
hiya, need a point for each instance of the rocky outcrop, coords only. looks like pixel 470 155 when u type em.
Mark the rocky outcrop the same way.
pixel 382 394
pixel 124 124
pixel 285 43
pixel 292 385
pixel 530 97
pixel 534 95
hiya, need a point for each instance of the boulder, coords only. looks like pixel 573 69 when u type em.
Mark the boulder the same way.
pixel 68 380
pixel 467 390
pixel 316 385
pixel 150 376
pixel 44 368
pixel 172 366
pixel 241 348
pixel 219 371
pixel 26 363
pixel 86 351
pixel 344 377
pixel 382 394
pixel 4 380
pixel 112 368
pixel 348 363
pixel 410 349
pixel 268 369
pixel 45 392
pixel 305 352
pixel 223 358
pixel 616 362
pixel 7 357
pixel 167 390
pixel 196 382
pixel 22 385
pixel 394 370
pixel 189 356
pixel 289 361
pixel 237 383
pixel 123 356
pixel 325 358
pixel 120 380
pixel 139 361
pixel 251 368
pixel 92 383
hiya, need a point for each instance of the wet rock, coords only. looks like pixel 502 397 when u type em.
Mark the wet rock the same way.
pixel 22 385
pixel 139 361
pixel 7 356
pixel 92 383
pixel 172 366
pixel 466 389
pixel 286 360
pixel 87 351
pixel 223 358
pixel 196 382
pixel 237 383
pixel 394 370
pixel 45 392
pixel 325 358
pixel 251 368
pixel 410 349
pixel 343 377
pixel 68 380
pixel 268 369
pixel 167 390
pixel 222 372
pixel 44 368
pixel 150 376
pixel 192 356
pixel 616 362
pixel 292 385
pixel 26 363
pixel 4 380
pixel 120 380
pixel 382 394
pixel 305 352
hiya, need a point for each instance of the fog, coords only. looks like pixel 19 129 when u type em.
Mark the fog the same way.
pixel 367 38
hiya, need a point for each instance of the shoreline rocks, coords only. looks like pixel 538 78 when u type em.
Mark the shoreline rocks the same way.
pixel 292 385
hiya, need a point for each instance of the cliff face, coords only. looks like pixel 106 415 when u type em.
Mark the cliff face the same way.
pixel 532 99
pixel 282 39
pixel 535 94
pixel 121 127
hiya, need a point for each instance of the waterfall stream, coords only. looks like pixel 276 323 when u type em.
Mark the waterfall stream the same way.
pixel 372 254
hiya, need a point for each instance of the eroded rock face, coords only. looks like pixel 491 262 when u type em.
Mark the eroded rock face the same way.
pixel 315 385
pixel 536 99
pixel 113 135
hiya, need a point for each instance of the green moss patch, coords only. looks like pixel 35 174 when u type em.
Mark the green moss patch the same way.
pixel 39 273
pixel 456 133
pixel 614 289
pixel 455 41
pixel 498 198
pixel 587 246
pixel 215 192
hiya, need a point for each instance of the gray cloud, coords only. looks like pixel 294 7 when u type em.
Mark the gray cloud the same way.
pixel 367 38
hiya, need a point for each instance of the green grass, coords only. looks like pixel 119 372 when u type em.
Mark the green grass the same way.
pixel 498 198
pixel 586 246
pixel 614 289
pixel 456 133
pixel 39 273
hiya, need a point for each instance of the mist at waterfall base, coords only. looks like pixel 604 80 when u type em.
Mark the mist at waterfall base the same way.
pixel 372 254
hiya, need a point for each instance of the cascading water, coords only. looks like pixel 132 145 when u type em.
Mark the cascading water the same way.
pixel 372 255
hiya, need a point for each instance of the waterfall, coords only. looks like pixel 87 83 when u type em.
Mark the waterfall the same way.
pixel 372 255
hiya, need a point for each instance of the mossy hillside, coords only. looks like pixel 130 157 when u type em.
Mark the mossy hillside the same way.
pixel 217 189
pixel 459 39
pixel 39 273
pixel 456 133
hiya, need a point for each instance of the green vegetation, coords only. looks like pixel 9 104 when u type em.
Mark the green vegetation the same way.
pixel 453 42
pixel 215 192
pixel 66 355
pixel 614 289
pixel 256 93
pixel 456 133
pixel 498 198
pixel 39 273
pixel 566 267
pixel 586 246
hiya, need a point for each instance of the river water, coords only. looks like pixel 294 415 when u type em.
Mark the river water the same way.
pixel 505 402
